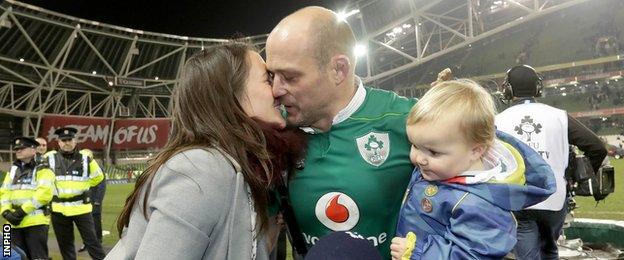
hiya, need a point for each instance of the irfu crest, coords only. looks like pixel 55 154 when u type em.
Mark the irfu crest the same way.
pixel 374 147
pixel 528 127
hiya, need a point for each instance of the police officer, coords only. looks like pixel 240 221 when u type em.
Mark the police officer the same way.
pixel 76 172
pixel 25 195
pixel 41 149
pixel 549 131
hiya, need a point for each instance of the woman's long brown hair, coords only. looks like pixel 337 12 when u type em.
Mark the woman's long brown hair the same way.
pixel 206 112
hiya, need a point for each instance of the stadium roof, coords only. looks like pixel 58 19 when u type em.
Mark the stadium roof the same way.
pixel 207 19
pixel 61 62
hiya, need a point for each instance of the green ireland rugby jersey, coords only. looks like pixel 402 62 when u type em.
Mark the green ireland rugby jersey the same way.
pixel 355 175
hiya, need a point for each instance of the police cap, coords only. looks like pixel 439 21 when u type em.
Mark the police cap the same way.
pixel 66 133
pixel 24 142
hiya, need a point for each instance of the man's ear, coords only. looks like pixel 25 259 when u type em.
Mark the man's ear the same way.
pixel 340 67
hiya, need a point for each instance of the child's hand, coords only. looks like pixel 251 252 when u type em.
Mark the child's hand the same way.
pixel 444 75
pixel 402 247
pixel 398 247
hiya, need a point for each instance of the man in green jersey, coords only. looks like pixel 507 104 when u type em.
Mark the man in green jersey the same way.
pixel 357 164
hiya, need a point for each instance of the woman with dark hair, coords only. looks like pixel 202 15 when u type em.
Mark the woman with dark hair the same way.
pixel 206 194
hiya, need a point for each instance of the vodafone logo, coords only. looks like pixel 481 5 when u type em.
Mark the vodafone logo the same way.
pixel 337 211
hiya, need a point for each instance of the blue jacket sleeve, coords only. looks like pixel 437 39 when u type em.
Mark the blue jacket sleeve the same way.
pixel 477 230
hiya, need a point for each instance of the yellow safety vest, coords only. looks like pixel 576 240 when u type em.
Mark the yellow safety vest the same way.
pixel 30 191
pixel 71 184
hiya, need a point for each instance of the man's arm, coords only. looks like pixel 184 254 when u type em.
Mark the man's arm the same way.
pixel 5 202
pixel 95 173
pixel 43 191
pixel 587 141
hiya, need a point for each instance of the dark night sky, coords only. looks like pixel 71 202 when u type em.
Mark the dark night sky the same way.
pixel 209 18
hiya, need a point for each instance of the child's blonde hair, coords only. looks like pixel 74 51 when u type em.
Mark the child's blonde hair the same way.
pixel 465 100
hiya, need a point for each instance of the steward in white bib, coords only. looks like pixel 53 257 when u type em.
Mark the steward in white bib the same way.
pixel 549 131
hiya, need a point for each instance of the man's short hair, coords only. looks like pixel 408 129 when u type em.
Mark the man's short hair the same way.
pixel 524 81
pixel 330 37
pixel 464 100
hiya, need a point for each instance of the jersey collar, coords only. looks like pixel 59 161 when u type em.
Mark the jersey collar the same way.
pixel 355 103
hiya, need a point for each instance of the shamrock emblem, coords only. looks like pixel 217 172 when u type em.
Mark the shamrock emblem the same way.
pixel 528 127
pixel 373 143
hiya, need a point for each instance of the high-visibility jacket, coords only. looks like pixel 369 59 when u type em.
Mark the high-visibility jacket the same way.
pixel 28 186
pixel 74 176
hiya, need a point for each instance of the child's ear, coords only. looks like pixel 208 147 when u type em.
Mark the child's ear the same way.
pixel 477 151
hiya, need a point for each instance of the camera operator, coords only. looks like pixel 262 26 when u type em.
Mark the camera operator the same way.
pixel 549 131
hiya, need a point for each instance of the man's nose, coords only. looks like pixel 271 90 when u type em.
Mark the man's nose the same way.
pixel 278 90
